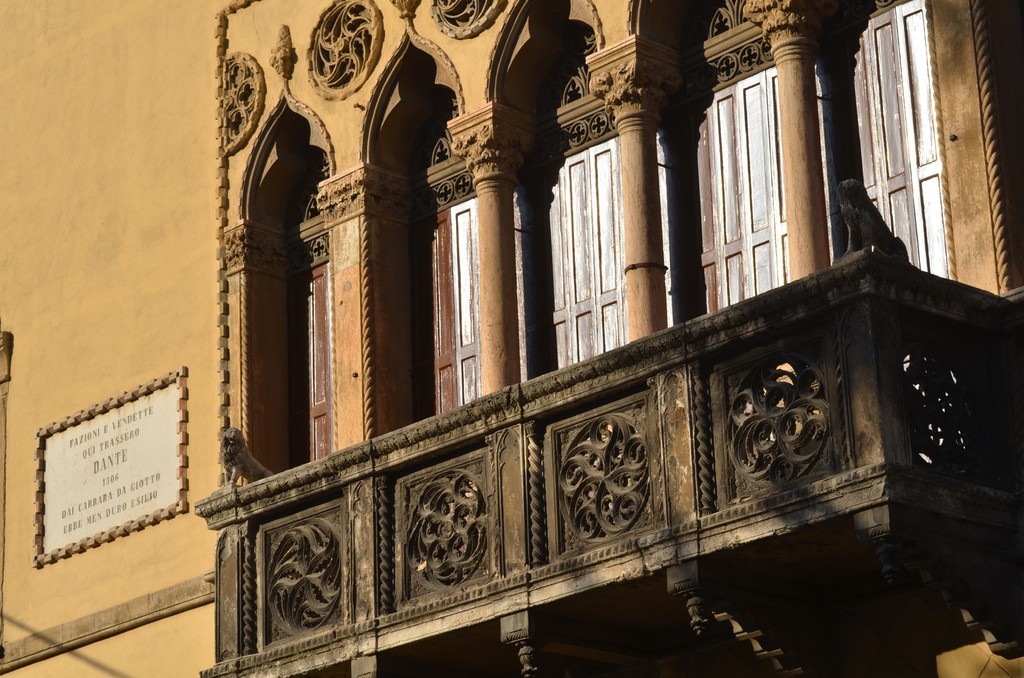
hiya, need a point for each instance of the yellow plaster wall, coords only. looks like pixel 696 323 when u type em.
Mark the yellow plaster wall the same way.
pixel 169 648
pixel 107 278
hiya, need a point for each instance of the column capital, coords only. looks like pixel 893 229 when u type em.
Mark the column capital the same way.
pixel 634 77
pixel 787 20
pixel 492 141
pixel 252 247
pixel 364 189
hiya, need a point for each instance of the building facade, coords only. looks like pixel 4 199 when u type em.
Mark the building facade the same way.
pixel 565 352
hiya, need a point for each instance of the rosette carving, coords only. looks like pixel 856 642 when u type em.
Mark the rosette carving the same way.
pixel 940 416
pixel 304 579
pixel 604 478
pixel 465 18
pixel 447 537
pixel 345 47
pixel 244 92
pixel 779 421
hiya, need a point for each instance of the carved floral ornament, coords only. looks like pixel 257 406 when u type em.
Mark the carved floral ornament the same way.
pixel 345 47
pixel 789 19
pixel 447 537
pixel 492 142
pixel 406 8
pixel 366 189
pixel 779 421
pixel 304 578
pixel 634 86
pixel 246 247
pixel 465 18
pixel 604 478
pixel 944 432
pixel 244 92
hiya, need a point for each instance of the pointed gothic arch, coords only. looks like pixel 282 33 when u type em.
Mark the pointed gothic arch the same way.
pixel 659 20
pixel 279 283
pixel 403 100
pixel 529 42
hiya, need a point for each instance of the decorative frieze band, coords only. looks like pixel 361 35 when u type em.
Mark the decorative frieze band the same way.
pixel 364 190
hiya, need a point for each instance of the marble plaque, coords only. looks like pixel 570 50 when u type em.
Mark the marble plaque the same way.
pixel 114 468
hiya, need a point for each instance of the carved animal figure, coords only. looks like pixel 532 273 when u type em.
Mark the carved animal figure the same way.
pixel 864 224
pixel 235 460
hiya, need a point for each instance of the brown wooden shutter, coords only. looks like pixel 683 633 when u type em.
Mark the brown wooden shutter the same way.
pixel 309 353
pixel 320 363
pixel 743 230
pixel 898 132
pixel 586 253
pixel 456 304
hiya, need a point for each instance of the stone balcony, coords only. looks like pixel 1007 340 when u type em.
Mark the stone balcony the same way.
pixel 852 435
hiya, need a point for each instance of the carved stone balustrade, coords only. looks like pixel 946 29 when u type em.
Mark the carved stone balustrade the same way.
pixel 865 408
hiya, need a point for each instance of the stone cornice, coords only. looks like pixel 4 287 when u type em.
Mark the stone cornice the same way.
pixel 634 77
pixel 492 140
pixel 783 20
pixel 364 189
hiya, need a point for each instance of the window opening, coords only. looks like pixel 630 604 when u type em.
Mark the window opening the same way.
pixel 445 271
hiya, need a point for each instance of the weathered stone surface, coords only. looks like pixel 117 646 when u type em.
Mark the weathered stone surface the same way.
pixel 475 514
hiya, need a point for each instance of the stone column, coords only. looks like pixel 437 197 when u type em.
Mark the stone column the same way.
pixel 366 211
pixel 257 267
pixel 791 28
pixel 634 78
pixel 492 141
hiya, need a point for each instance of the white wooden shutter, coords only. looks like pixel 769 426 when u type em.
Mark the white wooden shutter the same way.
pixel 898 132
pixel 743 229
pixel 587 257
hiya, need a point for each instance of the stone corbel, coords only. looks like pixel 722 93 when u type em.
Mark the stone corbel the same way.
pixel 873 527
pixel 782 21
pixel 684 580
pixel 492 140
pixel 634 78
pixel 518 630
pixel 364 190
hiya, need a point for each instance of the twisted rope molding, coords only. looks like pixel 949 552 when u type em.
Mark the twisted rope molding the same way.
pixel 940 132
pixel 707 490
pixel 248 595
pixel 535 478
pixel 990 133
pixel 223 341
pixel 384 499
pixel 367 339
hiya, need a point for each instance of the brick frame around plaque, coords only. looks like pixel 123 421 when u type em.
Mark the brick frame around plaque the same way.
pixel 179 378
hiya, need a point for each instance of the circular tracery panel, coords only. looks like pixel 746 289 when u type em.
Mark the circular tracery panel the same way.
pixel 345 47
pixel 465 18
pixel 242 102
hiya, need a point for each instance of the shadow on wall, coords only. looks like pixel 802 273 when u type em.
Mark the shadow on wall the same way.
pixel 98 666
